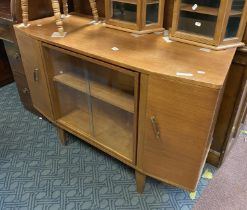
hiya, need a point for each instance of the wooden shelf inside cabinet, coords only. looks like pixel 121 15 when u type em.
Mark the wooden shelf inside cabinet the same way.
pixel 200 9
pixel 115 132
pixel 235 13
pixel 126 1
pixel 152 2
pixel 206 10
pixel 110 95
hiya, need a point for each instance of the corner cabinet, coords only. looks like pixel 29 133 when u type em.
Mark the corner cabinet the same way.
pixel 175 133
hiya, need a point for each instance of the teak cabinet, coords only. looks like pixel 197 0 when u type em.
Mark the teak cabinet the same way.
pixel 216 24
pixel 141 113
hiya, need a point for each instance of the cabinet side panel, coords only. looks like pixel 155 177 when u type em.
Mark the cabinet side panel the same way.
pixel 31 58
pixel 183 115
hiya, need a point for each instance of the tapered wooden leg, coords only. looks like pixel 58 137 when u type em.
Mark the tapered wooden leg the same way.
pixel 62 136
pixel 24 7
pixel 94 10
pixel 140 182
pixel 57 14
pixel 65 7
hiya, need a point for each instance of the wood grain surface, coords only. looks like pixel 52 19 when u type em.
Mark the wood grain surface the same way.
pixel 146 53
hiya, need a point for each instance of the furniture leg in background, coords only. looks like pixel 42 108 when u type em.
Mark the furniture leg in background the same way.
pixel 94 10
pixel 24 7
pixel 57 14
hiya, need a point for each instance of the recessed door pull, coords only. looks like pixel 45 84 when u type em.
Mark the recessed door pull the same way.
pixel 36 74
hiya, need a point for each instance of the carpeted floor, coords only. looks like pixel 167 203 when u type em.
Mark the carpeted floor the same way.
pixel 36 172
pixel 228 188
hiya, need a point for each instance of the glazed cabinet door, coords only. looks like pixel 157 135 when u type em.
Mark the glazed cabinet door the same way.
pixel 94 100
pixel 34 71
pixel 176 125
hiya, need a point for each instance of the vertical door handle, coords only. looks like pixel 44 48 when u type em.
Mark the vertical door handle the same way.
pixel 36 74
pixel 155 127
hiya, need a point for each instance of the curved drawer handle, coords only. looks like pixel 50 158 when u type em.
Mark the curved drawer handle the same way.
pixel 155 127
pixel 25 90
pixel 17 56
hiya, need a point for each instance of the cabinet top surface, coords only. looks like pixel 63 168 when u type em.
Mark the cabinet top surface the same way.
pixel 148 54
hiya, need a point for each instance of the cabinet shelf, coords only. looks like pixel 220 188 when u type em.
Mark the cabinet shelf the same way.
pixel 114 136
pixel 110 95
pixel 200 9
pixel 152 2
pixel 135 2
pixel 206 10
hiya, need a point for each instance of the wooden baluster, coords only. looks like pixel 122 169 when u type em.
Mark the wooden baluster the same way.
pixel 24 7
pixel 57 14
pixel 94 10
pixel 65 7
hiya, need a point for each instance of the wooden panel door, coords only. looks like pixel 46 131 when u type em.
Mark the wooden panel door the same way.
pixel 32 61
pixel 177 130
pixel 237 124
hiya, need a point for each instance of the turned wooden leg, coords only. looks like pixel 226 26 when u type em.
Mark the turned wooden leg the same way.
pixel 57 14
pixel 24 7
pixel 65 7
pixel 140 182
pixel 94 10
pixel 62 136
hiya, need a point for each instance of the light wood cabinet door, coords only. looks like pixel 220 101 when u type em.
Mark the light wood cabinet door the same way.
pixel 177 127
pixel 31 57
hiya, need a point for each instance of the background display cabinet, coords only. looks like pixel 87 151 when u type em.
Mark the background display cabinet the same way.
pixel 138 16
pixel 216 24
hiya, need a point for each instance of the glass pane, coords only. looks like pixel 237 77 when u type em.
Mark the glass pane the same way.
pixel 152 13
pixel 207 3
pixel 195 23
pixel 232 26
pixel 234 18
pixel 124 11
pixel 69 77
pixel 238 5
pixel 113 109
pixel 95 100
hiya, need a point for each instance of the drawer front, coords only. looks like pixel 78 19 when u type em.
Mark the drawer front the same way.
pixel 22 86
pixel 14 57
pixel 7 32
